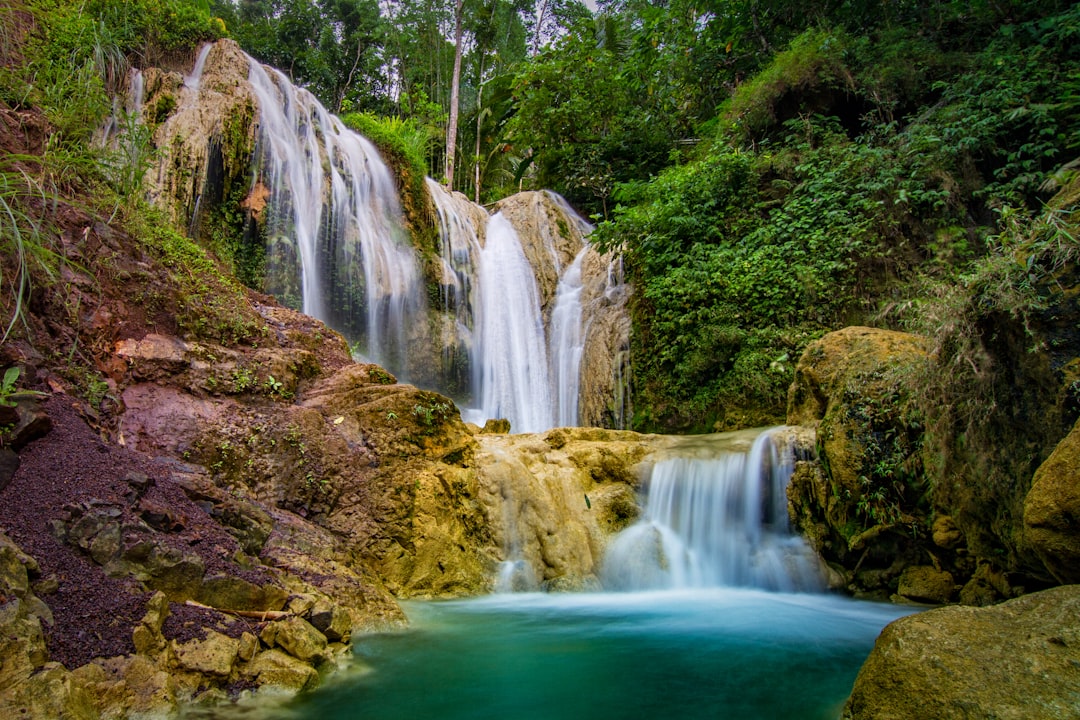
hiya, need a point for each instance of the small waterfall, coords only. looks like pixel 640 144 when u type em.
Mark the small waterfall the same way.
pixel 459 249
pixel 191 82
pixel 336 245
pixel 567 343
pixel 136 90
pixel 513 360
pixel 715 522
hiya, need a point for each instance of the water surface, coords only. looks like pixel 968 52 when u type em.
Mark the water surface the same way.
pixel 719 653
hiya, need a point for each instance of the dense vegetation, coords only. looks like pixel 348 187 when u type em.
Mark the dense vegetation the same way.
pixel 771 171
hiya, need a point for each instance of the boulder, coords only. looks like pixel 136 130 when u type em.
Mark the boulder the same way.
pixel 865 506
pixel 1052 511
pixel 924 583
pixel 1019 659
pixel 214 655
pixel 278 669
pixel 297 637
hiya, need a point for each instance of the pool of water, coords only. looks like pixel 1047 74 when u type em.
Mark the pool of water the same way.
pixel 719 653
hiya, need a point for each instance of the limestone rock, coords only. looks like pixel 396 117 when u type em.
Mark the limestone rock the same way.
pixel 925 583
pixel 550 237
pixel 147 635
pixel 945 533
pixel 861 510
pixel 1052 511
pixel 281 670
pixel 297 637
pixel 604 393
pixel 232 593
pixel 331 620
pixel 215 655
pixel 558 497
pixel 1020 659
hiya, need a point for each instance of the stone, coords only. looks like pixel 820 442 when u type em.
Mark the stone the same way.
pixel 9 463
pixel 945 533
pixel 278 669
pixel 924 583
pixel 233 593
pixel 49 694
pixel 297 637
pixel 496 426
pixel 177 575
pixel 106 544
pixel 147 634
pixel 1019 659
pixel 33 423
pixel 249 645
pixel 331 620
pixel 866 508
pixel 1052 511
pixel 215 655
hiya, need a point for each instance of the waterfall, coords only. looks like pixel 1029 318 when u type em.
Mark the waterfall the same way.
pixel 334 223
pixel 510 342
pixel 191 82
pixel 720 521
pixel 567 343
pixel 512 351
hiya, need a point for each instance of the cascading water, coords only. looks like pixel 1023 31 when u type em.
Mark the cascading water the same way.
pixel 567 343
pixel 715 522
pixel 324 208
pixel 191 82
pixel 512 349
pixel 334 223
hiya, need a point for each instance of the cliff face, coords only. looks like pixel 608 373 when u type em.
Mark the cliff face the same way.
pixel 301 207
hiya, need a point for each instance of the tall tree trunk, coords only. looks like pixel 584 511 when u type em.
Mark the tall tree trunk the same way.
pixel 455 88
pixel 479 124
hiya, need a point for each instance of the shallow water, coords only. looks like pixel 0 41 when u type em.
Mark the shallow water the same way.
pixel 722 653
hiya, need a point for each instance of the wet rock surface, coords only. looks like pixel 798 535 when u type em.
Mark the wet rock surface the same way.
pixel 1019 659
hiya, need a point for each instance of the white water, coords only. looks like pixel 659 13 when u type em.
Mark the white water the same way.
pixel 716 522
pixel 191 82
pixel 335 218
pixel 567 343
pixel 512 348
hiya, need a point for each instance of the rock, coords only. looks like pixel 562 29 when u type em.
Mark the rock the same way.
pixel 281 670
pixel 9 463
pixel 557 498
pixel 924 583
pixel 1019 659
pixel 132 686
pixel 33 423
pixel 1052 511
pixel 249 645
pixel 945 533
pixel 49 694
pixel 147 635
pixel 232 593
pixel 215 655
pixel 869 507
pixel 331 620
pixel 987 586
pixel 176 574
pixel 496 426
pixel 297 637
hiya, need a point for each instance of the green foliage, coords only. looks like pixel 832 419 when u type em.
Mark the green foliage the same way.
pixel 743 254
pixel 813 62
pixel 9 391
pixel 406 141
pixel 332 47
pixel 27 245
pixel 211 304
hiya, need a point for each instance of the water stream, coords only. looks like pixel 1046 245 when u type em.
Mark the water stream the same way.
pixel 674 655
pixel 716 521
